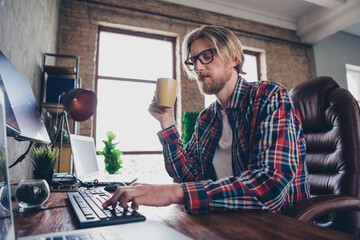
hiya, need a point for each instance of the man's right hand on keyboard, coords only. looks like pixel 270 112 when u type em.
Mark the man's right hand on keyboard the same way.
pixel 146 194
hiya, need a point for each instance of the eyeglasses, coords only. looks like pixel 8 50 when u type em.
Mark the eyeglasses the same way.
pixel 205 57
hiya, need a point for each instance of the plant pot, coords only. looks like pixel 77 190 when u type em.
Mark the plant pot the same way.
pixel 32 193
pixel 44 174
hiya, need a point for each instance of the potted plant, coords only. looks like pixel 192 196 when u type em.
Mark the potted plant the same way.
pixel 44 160
pixel 111 155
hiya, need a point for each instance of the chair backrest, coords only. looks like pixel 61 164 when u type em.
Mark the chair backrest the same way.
pixel 331 122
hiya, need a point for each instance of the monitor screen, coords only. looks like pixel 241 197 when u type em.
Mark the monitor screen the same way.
pixel 23 120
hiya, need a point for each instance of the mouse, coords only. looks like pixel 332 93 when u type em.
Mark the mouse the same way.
pixel 113 186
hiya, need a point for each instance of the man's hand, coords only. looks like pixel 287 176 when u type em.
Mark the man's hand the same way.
pixel 146 194
pixel 163 114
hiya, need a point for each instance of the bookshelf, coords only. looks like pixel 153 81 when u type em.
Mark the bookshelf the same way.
pixel 60 73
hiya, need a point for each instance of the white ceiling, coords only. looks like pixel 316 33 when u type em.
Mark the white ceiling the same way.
pixel 313 20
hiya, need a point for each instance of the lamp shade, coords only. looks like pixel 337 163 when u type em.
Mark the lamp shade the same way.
pixel 80 103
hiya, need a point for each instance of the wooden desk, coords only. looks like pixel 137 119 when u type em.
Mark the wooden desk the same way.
pixel 230 225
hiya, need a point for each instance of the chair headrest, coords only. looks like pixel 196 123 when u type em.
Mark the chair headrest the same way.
pixel 309 98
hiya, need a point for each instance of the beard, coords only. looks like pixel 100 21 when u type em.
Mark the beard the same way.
pixel 216 83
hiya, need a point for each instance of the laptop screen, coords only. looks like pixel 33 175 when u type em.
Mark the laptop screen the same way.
pixel 22 113
pixel 84 156
pixel 6 218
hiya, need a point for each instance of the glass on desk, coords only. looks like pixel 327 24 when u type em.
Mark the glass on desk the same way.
pixel 32 193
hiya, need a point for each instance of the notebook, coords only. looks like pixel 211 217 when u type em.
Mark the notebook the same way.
pixel 142 230
pixel 85 162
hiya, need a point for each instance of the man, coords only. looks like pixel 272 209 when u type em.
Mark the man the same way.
pixel 247 151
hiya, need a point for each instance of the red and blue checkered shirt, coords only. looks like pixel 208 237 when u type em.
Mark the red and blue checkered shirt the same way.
pixel 268 153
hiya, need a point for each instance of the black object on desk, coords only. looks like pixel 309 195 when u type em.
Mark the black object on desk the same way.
pixel 113 186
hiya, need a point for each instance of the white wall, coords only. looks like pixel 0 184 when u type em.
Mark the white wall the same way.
pixel 332 53
pixel 28 28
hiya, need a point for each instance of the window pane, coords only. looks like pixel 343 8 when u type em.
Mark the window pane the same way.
pixel 123 105
pixel 353 80
pixel 128 56
pixel 123 109
pixel 250 67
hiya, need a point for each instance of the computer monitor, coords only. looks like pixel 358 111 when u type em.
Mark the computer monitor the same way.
pixel 23 119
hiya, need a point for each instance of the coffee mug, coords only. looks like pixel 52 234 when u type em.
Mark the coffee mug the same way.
pixel 166 89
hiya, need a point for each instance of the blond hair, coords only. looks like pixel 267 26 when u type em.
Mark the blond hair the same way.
pixel 227 45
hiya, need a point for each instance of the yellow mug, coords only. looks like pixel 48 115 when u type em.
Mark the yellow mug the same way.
pixel 166 89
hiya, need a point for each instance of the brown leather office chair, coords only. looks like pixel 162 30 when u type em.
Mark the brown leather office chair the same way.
pixel 331 122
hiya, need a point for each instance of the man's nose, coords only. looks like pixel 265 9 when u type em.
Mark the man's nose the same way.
pixel 198 65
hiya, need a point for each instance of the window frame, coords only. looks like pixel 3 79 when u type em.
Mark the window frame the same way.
pixel 97 76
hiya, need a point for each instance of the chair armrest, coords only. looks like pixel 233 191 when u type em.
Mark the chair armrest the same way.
pixel 314 207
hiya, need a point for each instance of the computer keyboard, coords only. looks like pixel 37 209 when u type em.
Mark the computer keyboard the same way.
pixel 87 205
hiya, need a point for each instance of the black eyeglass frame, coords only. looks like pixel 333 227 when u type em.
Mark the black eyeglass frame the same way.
pixel 197 57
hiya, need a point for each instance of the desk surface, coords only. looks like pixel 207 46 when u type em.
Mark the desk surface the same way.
pixel 229 225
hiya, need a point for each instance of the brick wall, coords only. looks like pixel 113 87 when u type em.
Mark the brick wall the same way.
pixel 287 59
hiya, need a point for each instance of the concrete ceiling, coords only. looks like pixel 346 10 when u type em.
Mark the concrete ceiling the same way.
pixel 313 20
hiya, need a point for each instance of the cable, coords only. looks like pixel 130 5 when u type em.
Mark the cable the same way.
pixel 67 175
pixel 60 181
pixel 87 185
pixel 22 156
pixel 82 184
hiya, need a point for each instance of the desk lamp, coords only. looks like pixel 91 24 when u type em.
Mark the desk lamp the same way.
pixel 80 104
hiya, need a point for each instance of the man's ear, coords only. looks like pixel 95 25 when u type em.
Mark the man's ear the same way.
pixel 235 61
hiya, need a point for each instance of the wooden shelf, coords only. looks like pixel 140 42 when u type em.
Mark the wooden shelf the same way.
pixel 53 108
pixel 60 72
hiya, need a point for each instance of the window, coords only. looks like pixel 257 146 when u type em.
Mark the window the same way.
pixel 251 67
pixel 128 65
pixel 353 80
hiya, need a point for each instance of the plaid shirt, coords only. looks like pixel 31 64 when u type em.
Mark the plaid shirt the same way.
pixel 268 153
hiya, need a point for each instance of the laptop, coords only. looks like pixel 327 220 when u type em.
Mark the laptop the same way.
pixel 141 230
pixel 7 231
pixel 149 230
pixel 85 161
